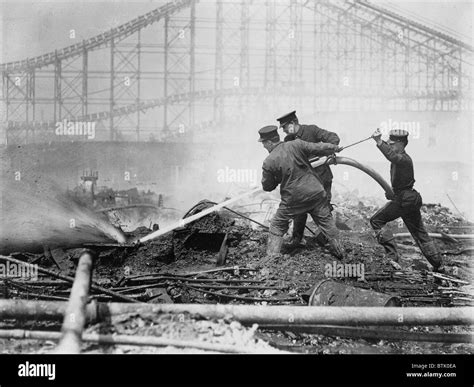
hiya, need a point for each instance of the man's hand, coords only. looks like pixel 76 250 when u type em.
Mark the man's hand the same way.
pixel 389 196
pixel 338 149
pixel 377 136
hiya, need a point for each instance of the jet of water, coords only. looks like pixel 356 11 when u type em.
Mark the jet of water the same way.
pixel 37 215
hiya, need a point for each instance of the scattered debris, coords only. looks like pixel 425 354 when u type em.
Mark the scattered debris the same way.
pixel 179 267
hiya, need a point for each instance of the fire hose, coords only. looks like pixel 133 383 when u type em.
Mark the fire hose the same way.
pixel 329 160
pixel 334 160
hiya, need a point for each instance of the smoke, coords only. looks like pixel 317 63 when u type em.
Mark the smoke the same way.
pixel 40 214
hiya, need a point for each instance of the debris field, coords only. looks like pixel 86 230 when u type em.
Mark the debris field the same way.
pixel 215 260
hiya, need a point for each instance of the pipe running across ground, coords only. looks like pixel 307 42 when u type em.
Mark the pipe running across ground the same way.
pixel 250 314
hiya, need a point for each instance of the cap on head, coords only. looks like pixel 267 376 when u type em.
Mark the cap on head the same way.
pixel 287 118
pixel 268 133
pixel 397 135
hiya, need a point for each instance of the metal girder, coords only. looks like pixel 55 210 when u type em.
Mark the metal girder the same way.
pixel 340 55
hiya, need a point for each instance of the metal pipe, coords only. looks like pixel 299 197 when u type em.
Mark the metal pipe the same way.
pixel 437 235
pixel 353 163
pixel 325 315
pixel 75 316
pixel 260 314
pixel 374 333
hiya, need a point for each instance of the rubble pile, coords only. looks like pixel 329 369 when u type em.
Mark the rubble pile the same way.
pixel 438 216
pixel 215 259
pixel 183 327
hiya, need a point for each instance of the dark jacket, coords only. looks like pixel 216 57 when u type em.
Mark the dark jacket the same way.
pixel 313 133
pixel 288 165
pixel 402 176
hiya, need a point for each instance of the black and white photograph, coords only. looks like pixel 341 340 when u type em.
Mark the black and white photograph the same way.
pixel 288 178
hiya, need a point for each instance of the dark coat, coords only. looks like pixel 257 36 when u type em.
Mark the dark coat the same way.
pixel 402 175
pixel 288 165
pixel 313 133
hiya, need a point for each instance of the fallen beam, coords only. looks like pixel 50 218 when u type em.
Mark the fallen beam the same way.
pixel 249 314
pixel 71 280
pixel 148 341
pixel 199 215
pixel 75 316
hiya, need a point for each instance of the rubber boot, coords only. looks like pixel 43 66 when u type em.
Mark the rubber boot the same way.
pixel 274 244
pixel 336 249
pixel 385 238
pixel 299 224
pixel 320 238
pixel 432 254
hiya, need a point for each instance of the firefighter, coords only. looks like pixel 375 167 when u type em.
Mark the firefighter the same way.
pixel 405 203
pixel 311 133
pixel 300 189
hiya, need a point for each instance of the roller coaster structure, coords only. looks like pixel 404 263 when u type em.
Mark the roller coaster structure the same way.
pixel 228 60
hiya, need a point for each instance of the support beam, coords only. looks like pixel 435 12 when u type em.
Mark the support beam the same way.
pixel 165 73
pixel 85 77
pixel 192 67
pixel 138 77
pixel 57 90
pixel 112 82
pixel 218 69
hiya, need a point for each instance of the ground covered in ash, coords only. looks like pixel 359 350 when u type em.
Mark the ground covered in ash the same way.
pixel 182 267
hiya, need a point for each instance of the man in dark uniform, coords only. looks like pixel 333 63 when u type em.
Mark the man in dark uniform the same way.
pixel 300 188
pixel 406 202
pixel 311 133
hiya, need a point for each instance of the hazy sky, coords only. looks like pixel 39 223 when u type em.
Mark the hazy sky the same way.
pixel 31 28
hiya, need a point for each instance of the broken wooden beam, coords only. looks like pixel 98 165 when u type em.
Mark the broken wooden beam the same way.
pixel 71 280
pixel 243 298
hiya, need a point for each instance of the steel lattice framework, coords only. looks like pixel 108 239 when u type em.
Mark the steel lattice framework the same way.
pixel 145 80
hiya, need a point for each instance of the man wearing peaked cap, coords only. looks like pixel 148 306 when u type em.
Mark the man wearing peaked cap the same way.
pixel 268 132
pixel 405 203
pixel 287 118
pixel 311 133
pixel 301 191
